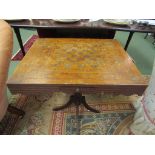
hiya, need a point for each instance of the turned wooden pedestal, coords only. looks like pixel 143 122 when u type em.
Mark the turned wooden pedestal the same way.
pixel 71 64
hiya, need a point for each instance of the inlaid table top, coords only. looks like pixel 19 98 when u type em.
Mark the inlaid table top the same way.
pixel 55 64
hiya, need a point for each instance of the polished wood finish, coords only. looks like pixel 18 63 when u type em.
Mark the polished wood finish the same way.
pixel 83 23
pixel 76 33
pixel 77 99
pixel 69 64
pixel 86 28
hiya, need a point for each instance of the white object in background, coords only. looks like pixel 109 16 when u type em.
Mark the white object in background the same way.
pixel 149 22
pixel 66 20
pixel 119 21
pixel 93 20
pixel 144 119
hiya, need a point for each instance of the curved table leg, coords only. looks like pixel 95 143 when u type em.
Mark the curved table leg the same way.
pixel 87 106
pixel 77 99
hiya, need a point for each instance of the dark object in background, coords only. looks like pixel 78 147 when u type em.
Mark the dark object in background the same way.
pixel 76 33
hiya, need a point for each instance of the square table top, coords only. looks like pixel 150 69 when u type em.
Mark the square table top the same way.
pixel 75 62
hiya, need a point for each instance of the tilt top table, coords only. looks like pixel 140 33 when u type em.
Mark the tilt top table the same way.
pixel 68 64
pixel 77 66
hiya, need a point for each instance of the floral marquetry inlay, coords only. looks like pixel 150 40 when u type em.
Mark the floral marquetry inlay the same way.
pixel 77 61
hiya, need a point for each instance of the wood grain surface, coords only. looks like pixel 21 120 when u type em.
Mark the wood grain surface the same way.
pixel 82 24
pixel 86 64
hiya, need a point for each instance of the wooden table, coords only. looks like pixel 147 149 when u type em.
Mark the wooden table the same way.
pixel 82 25
pixel 69 64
